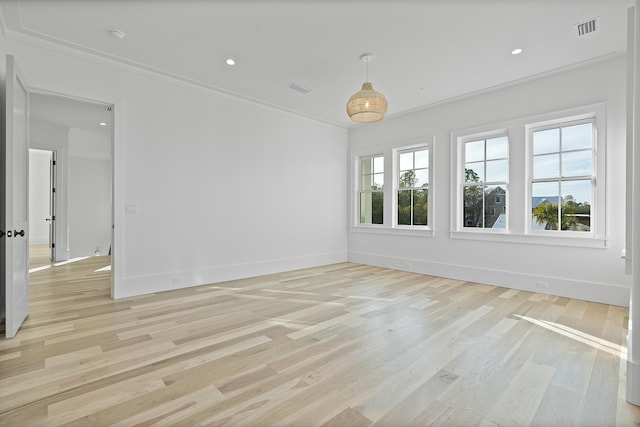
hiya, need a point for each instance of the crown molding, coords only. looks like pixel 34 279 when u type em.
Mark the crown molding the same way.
pixel 84 53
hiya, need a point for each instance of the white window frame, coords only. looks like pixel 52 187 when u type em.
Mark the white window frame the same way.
pixel 596 116
pixel 360 190
pixel 519 185
pixel 389 227
pixel 396 185
pixel 484 183
pixel 459 181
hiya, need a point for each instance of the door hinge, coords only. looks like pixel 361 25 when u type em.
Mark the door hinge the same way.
pixel 53 217
pixel 53 162
pixel 53 190
pixel 53 245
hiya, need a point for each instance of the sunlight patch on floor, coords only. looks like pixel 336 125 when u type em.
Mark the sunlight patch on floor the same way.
pixel 44 267
pixel 57 264
pixel 281 291
pixel 590 340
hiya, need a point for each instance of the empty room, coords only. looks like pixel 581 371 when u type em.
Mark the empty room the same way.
pixel 320 213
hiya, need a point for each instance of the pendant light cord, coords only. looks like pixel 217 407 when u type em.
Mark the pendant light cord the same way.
pixel 367 61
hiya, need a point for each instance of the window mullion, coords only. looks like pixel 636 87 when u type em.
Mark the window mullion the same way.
pixel 411 220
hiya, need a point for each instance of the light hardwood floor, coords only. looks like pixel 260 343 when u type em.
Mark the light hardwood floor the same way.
pixel 341 345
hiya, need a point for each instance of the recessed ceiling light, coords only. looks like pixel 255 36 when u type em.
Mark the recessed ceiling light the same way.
pixel 230 61
pixel 516 51
pixel 102 124
pixel 117 33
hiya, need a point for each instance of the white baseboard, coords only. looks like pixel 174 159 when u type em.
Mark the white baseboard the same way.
pixel 605 293
pixel 633 383
pixel 140 285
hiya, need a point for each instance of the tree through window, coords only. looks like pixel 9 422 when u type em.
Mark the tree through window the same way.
pixel 486 167
pixel 413 186
pixel 561 181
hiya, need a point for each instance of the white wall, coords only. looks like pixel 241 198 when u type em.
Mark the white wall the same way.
pixel 90 198
pixel 39 187
pixel 89 206
pixel 216 188
pixel 88 144
pixel 587 273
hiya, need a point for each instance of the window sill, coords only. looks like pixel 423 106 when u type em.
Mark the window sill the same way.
pixel 395 231
pixel 536 239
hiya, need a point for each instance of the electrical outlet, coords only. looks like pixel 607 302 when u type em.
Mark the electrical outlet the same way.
pixel 542 284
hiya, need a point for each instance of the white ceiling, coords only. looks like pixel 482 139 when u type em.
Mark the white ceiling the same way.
pixel 71 113
pixel 426 51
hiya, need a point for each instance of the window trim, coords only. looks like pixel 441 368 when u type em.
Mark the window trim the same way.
pixel 484 184
pixel 396 152
pixel 359 189
pixel 388 151
pixel 458 181
pixel 594 114
pixel 520 218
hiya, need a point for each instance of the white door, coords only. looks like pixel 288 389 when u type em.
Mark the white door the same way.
pixel 15 158
pixel 53 177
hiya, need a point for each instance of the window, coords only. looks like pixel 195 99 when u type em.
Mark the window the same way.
pixel 562 176
pixel 538 180
pixel 486 166
pixel 413 187
pixel 371 190
pixel 401 205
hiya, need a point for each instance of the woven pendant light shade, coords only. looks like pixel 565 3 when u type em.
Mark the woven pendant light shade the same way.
pixel 367 106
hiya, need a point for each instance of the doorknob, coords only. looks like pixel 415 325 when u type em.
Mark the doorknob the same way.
pixel 17 233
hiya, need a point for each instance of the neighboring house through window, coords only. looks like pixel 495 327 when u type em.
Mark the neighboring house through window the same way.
pixel 534 180
pixel 486 171
pixel 562 176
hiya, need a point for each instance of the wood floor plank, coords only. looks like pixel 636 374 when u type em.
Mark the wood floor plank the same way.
pixel 348 417
pixel 344 344
pixel 532 381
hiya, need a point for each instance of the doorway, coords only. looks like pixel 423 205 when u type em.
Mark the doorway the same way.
pixel 42 206
pixel 70 179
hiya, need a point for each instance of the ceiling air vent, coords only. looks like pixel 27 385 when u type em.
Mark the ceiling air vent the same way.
pixel 588 27
pixel 298 87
